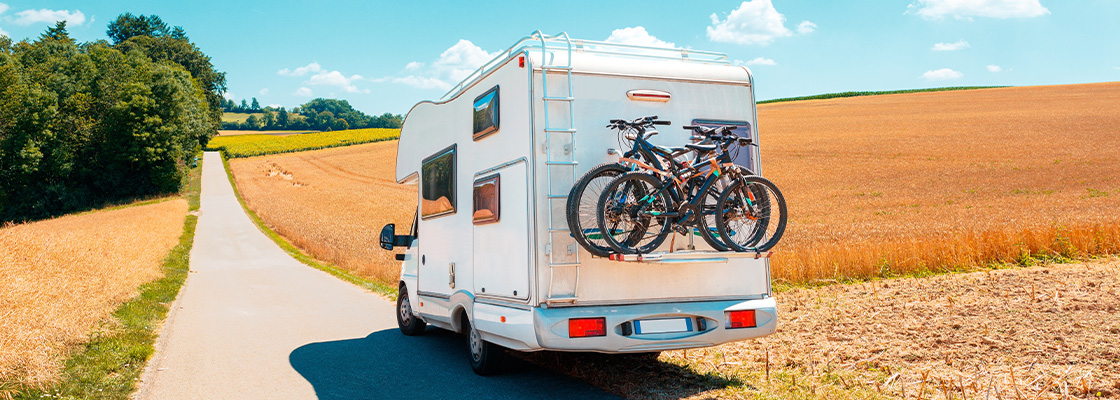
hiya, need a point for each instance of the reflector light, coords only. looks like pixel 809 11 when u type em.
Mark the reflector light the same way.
pixel 503 318
pixel 741 319
pixel 521 61
pixel 648 95
pixel 587 327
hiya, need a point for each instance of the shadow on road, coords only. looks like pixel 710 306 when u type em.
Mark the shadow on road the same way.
pixel 387 364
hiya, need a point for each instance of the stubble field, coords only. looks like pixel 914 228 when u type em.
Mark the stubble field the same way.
pixel 60 277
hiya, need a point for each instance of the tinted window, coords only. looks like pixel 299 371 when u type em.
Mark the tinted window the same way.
pixel 438 184
pixel 487 200
pixel 486 115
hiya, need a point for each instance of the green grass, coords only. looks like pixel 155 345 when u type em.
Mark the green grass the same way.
pixel 109 366
pixel 295 252
pixel 258 145
pixel 239 117
pixel 857 94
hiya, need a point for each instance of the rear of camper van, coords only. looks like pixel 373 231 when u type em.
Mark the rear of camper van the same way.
pixel 491 254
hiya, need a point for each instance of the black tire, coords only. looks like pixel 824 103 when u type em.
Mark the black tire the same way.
pixel 582 202
pixel 624 213
pixel 706 221
pixel 754 214
pixel 486 358
pixel 410 324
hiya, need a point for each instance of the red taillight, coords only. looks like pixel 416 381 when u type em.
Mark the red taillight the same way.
pixel 587 327
pixel 741 319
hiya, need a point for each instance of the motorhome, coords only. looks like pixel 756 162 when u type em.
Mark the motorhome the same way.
pixel 490 254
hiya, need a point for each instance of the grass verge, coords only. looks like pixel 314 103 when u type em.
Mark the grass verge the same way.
pixel 109 366
pixel 857 94
pixel 295 252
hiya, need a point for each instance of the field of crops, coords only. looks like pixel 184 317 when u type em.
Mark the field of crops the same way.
pixel 331 203
pixel 59 277
pixel 894 184
pixel 235 146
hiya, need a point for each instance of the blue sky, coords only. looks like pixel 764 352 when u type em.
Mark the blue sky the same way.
pixel 386 56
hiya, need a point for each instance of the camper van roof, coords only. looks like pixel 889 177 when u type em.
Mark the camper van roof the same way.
pixel 561 43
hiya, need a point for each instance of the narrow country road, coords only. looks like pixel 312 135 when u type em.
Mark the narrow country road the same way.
pixel 254 323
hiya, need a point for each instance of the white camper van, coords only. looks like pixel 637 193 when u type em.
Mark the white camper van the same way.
pixel 490 254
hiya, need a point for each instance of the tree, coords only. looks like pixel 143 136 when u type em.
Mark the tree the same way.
pixel 58 32
pixel 282 118
pixel 253 122
pixel 244 106
pixel 256 106
pixel 269 120
pixel 128 26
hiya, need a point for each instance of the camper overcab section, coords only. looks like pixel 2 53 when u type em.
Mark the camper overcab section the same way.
pixel 490 252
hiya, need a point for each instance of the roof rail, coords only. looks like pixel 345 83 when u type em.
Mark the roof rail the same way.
pixel 561 42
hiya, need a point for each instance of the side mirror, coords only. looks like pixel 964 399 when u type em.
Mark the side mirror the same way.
pixel 388 233
pixel 389 237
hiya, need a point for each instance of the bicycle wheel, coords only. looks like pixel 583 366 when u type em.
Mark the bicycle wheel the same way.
pixel 630 214
pixel 706 221
pixel 582 202
pixel 754 214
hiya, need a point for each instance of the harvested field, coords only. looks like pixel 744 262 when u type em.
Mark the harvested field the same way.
pixel 1030 333
pixel 60 277
pixel 332 203
pixel 883 185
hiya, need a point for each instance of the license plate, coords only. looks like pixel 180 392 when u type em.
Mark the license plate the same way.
pixel 668 325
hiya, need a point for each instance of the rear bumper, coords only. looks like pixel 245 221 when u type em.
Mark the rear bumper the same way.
pixel 708 323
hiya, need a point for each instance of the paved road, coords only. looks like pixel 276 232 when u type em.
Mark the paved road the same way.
pixel 253 323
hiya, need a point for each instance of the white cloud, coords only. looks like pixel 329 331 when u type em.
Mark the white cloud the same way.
pixel 3 8
pixel 637 36
pixel 229 96
pixel 942 74
pixel 966 9
pixel 761 61
pixel 806 27
pixel 423 82
pixel 263 91
pixel 754 22
pixel 275 105
pixel 960 44
pixel 995 68
pixel 453 65
pixel 301 71
pixel 337 79
pixel 303 91
pixel 28 17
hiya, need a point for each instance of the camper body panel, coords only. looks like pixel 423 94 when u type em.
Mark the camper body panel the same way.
pixel 514 259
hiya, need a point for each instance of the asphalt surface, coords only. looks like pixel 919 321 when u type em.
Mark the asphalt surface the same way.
pixel 254 323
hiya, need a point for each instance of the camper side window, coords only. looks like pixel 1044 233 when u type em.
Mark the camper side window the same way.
pixel 486 115
pixel 487 200
pixel 437 186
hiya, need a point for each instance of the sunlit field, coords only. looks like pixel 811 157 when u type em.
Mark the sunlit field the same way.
pixel 235 146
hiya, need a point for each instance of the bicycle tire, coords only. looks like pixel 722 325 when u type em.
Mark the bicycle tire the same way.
pixel 706 220
pixel 621 202
pixel 744 236
pixel 583 205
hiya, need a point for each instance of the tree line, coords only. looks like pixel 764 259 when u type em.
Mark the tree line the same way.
pixel 85 124
pixel 318 114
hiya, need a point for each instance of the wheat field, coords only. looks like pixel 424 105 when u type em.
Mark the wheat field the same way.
pixel 933 181
pixel 60 277
pixel 332 203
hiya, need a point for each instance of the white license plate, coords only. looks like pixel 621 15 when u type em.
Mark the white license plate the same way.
pixel 668 325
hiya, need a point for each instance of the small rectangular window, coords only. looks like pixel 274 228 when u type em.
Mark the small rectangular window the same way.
pixel 486 115
pixel 487 200
pixel 437 185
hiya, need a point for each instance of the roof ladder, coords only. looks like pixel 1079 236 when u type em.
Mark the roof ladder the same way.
pixel 560 170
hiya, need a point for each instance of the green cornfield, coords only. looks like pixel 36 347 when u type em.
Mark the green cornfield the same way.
pixel 259 145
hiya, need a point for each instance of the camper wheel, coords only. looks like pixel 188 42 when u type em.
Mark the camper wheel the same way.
pixel 486 357
pixel 409 323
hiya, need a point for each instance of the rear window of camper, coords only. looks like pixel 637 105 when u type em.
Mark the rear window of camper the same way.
pixel 486 116
pixel 487 206
pixel 438 184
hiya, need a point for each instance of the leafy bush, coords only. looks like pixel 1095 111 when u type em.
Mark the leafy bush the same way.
pixel 86 124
